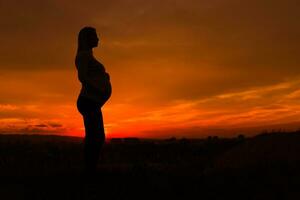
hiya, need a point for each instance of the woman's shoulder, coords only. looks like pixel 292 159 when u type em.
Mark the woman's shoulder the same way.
pixel 83 56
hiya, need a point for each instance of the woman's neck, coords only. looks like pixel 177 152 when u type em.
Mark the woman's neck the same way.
pixel 86 50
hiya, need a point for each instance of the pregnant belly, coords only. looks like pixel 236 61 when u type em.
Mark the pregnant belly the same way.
pixel 100 80
pixel 103 84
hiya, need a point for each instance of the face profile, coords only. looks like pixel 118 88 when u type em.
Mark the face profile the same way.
pixel 87 38
pixel 93 40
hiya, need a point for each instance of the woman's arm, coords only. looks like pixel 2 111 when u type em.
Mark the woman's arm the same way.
pixel 82 66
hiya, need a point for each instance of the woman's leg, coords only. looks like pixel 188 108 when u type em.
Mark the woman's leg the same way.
pixel 94 132
pixel 94 138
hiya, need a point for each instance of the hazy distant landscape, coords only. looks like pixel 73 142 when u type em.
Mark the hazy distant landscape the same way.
pixel 49 167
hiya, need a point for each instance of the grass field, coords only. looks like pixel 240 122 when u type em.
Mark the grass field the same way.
pixel 50 167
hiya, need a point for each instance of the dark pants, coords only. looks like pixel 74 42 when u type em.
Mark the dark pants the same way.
pixel 94 131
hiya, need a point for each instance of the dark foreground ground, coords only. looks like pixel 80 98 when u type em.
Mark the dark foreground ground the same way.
pixel 50 167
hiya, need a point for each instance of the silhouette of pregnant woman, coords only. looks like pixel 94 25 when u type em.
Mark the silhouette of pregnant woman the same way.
pixel 95 91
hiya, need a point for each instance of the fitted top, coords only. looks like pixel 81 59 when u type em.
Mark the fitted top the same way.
pixel 94 79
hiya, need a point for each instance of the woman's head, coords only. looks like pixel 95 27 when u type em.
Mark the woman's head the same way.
pixel 87 38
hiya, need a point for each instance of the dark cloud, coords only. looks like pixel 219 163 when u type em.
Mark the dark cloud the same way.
pixel 55 125
pixel 41 125
pixel 30 129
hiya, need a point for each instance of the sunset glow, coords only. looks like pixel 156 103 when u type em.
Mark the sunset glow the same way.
pixel 181 68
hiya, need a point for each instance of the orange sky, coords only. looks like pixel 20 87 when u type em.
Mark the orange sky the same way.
pixel 183 68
